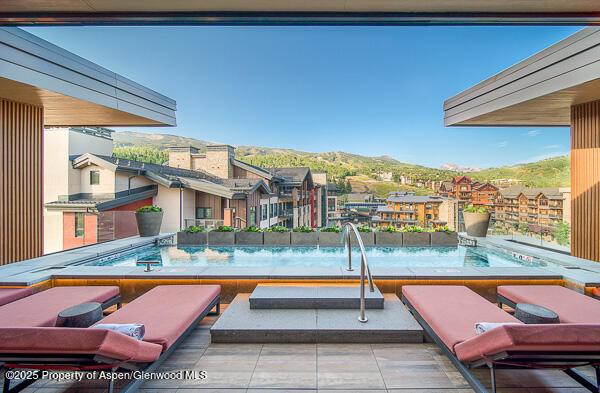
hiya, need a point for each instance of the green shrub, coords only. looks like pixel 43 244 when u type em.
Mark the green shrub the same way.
pixel 561 233
pixel 331 229
pixel 303 229
pixel 278 229
pixel 365 229
pixel 475 209
pixel 390 229
pixel 523 228
pixel 194 229
pixel 252 228
pixel 442 228
pixel 149 209
pixel 412 228
pixel 224 228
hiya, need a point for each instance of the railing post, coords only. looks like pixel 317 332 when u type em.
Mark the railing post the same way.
pixel 349 250
pixel 362 318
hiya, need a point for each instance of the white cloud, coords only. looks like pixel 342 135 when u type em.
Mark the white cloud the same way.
pixel 547 147
pixel 502 144
pixel 533 133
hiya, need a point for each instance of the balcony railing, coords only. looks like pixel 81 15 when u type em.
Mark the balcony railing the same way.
pixel 204 223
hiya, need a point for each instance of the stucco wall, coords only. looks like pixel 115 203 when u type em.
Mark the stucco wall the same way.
pixel 168 200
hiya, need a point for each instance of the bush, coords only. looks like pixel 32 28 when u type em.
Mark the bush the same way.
pixel 390 229
pixel 149 209
pixel 252 228
pixel 412 228
pixel 278 229
pixel 561 233
pixel 523 228
pixel 303 229
pixel 194 229
pixel 224 228
pixel 442 228
pixel 365 229
pixel 475 209
pixel 331 229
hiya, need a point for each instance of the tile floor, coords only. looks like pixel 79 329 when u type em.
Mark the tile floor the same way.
pixel 312 368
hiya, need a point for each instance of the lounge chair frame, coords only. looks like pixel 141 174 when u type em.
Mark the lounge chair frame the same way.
pixel 39 361
pixel 516 360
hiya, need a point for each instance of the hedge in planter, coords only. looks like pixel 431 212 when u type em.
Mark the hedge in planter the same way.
pixel 149 220
pixel 251 236
pixel 366 234
pixel 415 236
pixel 389 236
pixel 277 236
pixel 443 236
pixel 192 236
pixel 330 237
pixel 223 235
pixel 304 236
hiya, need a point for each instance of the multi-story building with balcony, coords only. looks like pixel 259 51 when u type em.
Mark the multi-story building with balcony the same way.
pixel 404 209
pixel 466 190
pixel 538 209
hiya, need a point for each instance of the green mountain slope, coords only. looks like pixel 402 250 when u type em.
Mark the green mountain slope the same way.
pixel 551 172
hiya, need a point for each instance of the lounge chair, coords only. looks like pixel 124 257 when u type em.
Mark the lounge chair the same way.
pixel 9 295
pixel 42 308
pixel 448 314
pixel 169 314
pixel 570 306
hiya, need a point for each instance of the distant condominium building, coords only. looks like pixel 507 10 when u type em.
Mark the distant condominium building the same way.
pixel 465 189
pixel 538 209
pixel 403 209
pixel 294 199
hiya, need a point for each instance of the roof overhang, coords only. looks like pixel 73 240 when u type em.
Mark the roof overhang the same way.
pixel 74 91
pixel 297 12
pixel 538 91
pixel 207 187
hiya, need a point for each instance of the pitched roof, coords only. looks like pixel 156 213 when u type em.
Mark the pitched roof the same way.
pixel 531 192
pixel 253 168
pixel 415 199
pixel 458 179
pixel 293 175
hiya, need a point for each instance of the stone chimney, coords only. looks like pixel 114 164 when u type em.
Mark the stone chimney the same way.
pixel 217 161
pixel 181 157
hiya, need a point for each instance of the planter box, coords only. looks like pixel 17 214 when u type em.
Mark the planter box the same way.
pixel 249 238
pixel 330 239
pixel 191 239
pixel 416 239
pixel 368 238
pixel 305 238
pixel 277 238
pixel 391 239
pixel 148 223
pixel 476 223
pixel 444 239
pixel 221 238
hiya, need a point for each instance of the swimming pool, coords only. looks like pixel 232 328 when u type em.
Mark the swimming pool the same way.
pixel 314 256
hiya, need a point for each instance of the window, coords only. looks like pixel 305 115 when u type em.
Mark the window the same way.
pixel 264 212
pixel 204 213
pixel 79 224
pixel 94 177
pixel 252 215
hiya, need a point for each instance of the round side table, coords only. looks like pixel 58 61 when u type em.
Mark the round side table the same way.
pixel 533 314
pixel 82 315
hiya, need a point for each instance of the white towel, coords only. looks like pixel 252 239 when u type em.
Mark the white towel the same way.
pixel 135 330
pixel 482 327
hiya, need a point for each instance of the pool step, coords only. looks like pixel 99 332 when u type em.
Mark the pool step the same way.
pixel 241 324
pixel 313 297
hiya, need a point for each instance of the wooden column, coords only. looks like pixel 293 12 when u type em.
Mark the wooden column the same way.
pixel 21 201
pixel 585 180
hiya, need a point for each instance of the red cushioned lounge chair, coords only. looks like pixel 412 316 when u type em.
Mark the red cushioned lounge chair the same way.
pixel 9 295
pixel 449 313
pixel 570 306
pixel 169 314
pixel 42 308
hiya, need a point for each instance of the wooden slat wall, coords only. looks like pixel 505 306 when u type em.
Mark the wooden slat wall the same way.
pixel 21 200
pixel 585 180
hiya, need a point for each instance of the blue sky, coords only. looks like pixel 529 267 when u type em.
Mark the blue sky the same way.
pixel 365 90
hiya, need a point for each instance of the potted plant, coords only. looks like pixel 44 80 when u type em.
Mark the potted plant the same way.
pixel 192 236
pixel 277 235
pixel 250 236
pixel 149 220
pixel 304 236
pixel 223 235
pixel 477 220
pixel 366 234
pixel 330 237
pixel 389 236
pixel 443 236
pixel 415 236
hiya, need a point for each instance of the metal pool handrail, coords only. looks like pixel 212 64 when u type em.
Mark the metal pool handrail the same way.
pixel 364 266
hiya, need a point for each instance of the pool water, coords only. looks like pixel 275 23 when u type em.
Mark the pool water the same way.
pixel 315 256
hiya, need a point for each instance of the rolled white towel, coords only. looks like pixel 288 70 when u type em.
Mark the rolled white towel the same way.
pixel 135 330
pixel 482 327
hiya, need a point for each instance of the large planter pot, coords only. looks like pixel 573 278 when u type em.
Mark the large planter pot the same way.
pixel 191 239
pixel 368 238
pixel 477 223
pixel 148 223
pixel 330 239
pixel 277 238
pixel 221 238
pixel 416 239
pixel 389 239
pixel 444 239
pixel 305 238
pixel 249 238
